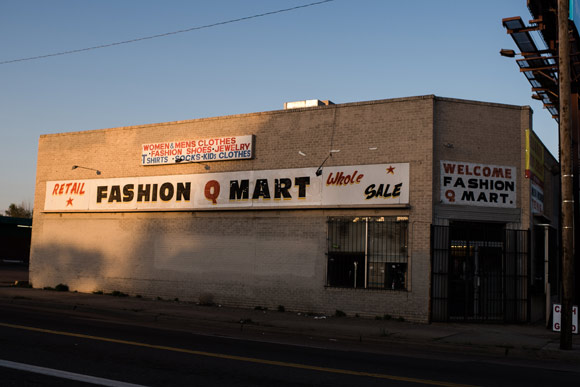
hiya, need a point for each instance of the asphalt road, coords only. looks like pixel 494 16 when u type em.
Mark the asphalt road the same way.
pixel 43 348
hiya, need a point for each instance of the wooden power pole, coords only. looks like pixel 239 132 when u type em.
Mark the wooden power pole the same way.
pixel 566 175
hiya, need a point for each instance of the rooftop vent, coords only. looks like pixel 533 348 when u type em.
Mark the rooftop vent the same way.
pixel 306 103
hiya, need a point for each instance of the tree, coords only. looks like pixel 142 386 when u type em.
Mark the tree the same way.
pixel 19 211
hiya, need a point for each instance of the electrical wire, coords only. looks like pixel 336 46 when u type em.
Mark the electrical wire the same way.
pixel 166 33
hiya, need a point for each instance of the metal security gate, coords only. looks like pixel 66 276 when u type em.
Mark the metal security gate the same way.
pixel 367 252
pixel 479 272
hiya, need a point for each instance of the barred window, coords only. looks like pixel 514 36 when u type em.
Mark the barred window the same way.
pixel 367 252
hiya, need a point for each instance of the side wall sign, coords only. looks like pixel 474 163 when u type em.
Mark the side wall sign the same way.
pixel 198 150
pixel 534 157
pixel 367 185
pixel 482 185
pixel 535 171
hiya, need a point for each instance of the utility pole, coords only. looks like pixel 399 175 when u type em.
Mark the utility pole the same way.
pixel 566 175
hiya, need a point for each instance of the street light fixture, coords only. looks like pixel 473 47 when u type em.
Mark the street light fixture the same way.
pixel 536 53
pixel 92 169
pixel 507 53
pixel 319 170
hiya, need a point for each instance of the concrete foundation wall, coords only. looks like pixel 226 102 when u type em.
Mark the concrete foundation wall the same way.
pixel 267 259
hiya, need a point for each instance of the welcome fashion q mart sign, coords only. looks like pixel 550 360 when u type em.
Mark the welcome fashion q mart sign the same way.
pixel 484 185
pixel 198 150
pixel 361 185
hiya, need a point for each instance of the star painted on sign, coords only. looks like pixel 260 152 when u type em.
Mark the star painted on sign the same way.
pixel 391 170
pixel 69 202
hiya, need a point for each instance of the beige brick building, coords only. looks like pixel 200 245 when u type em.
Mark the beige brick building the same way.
pixel 236 209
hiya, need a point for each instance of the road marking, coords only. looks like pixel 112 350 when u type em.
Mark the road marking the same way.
pixel 65 374
pixel 242 358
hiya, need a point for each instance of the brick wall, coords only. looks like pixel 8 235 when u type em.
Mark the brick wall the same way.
pixel 250 258
pixel 484 133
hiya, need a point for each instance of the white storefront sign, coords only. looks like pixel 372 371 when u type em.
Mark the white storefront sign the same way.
pixel 198 150
pixel 471 184
pixel 362 185
pixel 557 318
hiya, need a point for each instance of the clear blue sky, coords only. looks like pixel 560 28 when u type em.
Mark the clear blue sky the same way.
pixel 345 51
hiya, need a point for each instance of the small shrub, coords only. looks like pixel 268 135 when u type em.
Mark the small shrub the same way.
pixel 48 288
pixel 98 292
pixel 401 319
pixel 22 284
pixel 339 313
pixel 387 317
pixel 117 293
pixel 281 308
pixel 176 299
pixel 378 318
pixel 138 296
pixel 61 288
pixel 206 299
pixel 264 308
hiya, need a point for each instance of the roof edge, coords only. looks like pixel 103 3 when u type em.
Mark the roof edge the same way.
pixel 283 111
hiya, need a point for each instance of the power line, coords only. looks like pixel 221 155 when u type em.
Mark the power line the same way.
pixel 166 33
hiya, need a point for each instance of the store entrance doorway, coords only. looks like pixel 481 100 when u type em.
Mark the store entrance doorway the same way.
pixel 479 273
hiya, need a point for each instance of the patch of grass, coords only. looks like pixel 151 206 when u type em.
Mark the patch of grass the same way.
pixel 116 293
pixel 61 288
pixel 401 319
pixel 387 317
pixel 138 296
pixel 281 308
pixel 339 313
pixel 206 299
pixel 264 308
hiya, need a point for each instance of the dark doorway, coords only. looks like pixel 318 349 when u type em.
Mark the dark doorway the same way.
pixel 479 273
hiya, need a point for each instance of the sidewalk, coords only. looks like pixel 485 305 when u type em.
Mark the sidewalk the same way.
pixel 498 340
